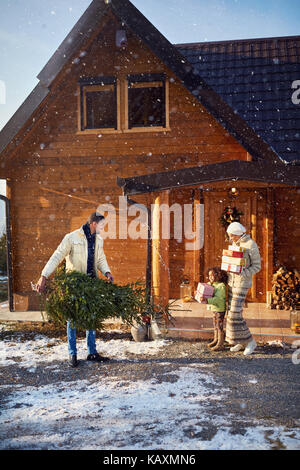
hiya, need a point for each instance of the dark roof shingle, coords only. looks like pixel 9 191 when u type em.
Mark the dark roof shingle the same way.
pixel 255 77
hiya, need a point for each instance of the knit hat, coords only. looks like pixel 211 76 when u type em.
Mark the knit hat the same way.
pixel 235 228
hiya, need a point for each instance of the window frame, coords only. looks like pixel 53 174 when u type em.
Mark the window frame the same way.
pixel 87 85
pixel 141 81
pixel 120 84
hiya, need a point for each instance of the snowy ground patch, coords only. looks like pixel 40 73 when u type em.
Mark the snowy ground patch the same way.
pixel 179 409
pixel 43 349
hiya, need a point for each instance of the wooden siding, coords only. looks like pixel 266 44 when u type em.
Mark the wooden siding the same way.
pixel 287 228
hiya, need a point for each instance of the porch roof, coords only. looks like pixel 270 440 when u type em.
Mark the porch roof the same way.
pixel 236 170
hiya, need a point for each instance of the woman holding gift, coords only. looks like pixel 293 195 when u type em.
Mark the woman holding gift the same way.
pixel 217 303
pixel 237 331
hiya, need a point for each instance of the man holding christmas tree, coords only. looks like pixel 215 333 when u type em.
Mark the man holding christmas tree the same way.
pixel 83 252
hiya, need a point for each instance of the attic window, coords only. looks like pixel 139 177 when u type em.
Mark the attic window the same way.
pixel 98 104
pixel 123 104
pixel 146 100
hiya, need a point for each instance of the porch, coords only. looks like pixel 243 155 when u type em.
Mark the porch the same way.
pixel 194 322
pixel 268 203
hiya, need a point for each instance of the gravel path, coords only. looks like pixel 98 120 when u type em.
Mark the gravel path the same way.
pixel 258 389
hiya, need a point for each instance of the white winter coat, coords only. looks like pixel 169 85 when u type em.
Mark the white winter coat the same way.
pixel 74 248
pixel 252 266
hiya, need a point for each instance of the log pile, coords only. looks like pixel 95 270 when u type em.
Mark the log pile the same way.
pixel 286 289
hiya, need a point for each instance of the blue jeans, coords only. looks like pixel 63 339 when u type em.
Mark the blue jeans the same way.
pixel 90 340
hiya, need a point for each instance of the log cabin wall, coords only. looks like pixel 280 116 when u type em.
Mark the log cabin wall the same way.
pixel 287 228
pixel 58 176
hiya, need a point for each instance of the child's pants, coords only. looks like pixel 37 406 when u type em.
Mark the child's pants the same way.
pixel 219 320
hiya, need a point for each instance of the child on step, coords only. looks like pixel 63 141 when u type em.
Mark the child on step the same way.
pixel 218 279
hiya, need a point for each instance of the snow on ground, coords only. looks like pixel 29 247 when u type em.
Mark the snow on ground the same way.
pixel 44 349
pixel 110 413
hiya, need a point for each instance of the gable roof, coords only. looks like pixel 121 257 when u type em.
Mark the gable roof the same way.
pixel 255 77
pixel 22 115
pixel 170 55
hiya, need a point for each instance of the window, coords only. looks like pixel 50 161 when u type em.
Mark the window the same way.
pixel 146 101
pixel 136 103
pixel 99 104
pixel 100 107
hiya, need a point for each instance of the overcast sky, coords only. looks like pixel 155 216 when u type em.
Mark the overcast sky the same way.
pixel 31 31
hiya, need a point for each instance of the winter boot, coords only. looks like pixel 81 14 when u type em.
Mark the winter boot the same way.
pixel 250 347
pixel 236 348
pixel 215 340
pixel 220 344
pixel 97 358
pixel 73 360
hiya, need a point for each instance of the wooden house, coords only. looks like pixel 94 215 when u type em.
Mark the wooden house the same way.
pixel 208 125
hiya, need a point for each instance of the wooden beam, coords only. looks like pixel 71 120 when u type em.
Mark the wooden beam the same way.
pixel 253 218
pixel 269 240
pixel 160 252
pixel 198 254
pixel 237 170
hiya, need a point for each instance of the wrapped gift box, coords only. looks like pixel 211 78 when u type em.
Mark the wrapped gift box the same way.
pixel 232 268
pixel 204 290
pixel 233 253
pixel 236 248
pixel 232 260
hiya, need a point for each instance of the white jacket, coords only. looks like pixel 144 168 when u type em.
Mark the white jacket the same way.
pixel 74 248
pixel 252 266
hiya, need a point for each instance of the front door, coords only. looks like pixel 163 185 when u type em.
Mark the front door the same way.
pixel 253 205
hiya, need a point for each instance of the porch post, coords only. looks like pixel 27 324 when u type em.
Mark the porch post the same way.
pixel 198 254
pixel 253 217
pixel 269 240
pixel 160 252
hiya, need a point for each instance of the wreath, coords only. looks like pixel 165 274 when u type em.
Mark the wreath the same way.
pixel 229 215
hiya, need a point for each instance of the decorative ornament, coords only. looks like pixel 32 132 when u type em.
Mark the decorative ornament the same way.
pixel 229 215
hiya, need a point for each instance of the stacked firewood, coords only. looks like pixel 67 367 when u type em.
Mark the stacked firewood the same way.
pixel 286 289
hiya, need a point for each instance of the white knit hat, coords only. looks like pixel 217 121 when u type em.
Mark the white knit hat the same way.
pixel 235 228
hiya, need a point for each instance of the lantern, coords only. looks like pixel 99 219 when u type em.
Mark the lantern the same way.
pixel 185 290
pixel 295 320
pixel 233 193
